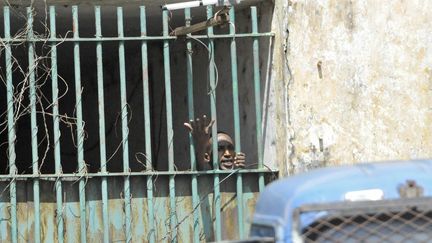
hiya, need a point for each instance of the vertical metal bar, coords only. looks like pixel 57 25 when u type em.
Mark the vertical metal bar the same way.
pixel 125 130
pixel 147 127
pixel 191 113
pixel 80 129
pixel 216 186
pixel 170 132
pixel 11 126
pixel 56 124
pixel 234 77
pixel 34 129
pixel 102 138
pixel 257 89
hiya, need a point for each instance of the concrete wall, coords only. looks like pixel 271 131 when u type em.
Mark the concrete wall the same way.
pixel 354 84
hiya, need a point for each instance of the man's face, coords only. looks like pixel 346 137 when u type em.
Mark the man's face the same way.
pixel 226 152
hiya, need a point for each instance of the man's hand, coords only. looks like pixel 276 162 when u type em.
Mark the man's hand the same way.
pixel 200 129
pixel 239 160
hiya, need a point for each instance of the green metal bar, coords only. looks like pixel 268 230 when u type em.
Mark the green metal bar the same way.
pixel 56 124
pixel 102 138
pixel 189 74
pixel 74 176
pixel 147 128
pixel 11 127
pixel 170 132
pixel 216 186
pixel 34 129
pixel 230 36
pixel 257 89
pixel 80 128
pixel 125 129
pixel 142 38
pixel 236 114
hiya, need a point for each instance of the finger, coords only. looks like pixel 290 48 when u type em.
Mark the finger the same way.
pixel 188 126
pixel 192 123
pixel 241 164
pixel 210 125
pixel 197 123
pixel 204 122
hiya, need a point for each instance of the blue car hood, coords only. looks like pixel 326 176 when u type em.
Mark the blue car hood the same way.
pixel 276 203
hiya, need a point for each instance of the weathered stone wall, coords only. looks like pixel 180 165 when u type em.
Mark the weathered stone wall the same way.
pixel 355 83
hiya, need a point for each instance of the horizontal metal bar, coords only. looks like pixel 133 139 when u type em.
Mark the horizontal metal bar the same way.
pixel 136 38
pixel 372 206
pixel 350 209
pixel 7 177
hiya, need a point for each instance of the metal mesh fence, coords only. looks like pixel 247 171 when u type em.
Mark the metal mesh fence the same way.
pixel 387 221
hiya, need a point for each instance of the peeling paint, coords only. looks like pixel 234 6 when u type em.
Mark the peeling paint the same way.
pixel 139 206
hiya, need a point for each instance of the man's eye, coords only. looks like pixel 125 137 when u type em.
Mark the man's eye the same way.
pixel 231 147
pixel 220 149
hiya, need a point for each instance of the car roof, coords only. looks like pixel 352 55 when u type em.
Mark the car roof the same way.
pixel 278 200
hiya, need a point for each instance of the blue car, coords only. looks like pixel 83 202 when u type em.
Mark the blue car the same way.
pixel 368 202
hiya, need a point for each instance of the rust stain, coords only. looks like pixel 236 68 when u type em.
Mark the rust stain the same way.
pixel 116 218
pixel 24 212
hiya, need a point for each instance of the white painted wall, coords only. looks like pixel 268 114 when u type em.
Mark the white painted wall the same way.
pixel 371 101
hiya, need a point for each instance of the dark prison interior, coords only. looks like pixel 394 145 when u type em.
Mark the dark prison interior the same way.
pixel 134 84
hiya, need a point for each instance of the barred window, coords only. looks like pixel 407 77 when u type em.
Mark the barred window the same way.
pixel 92 136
